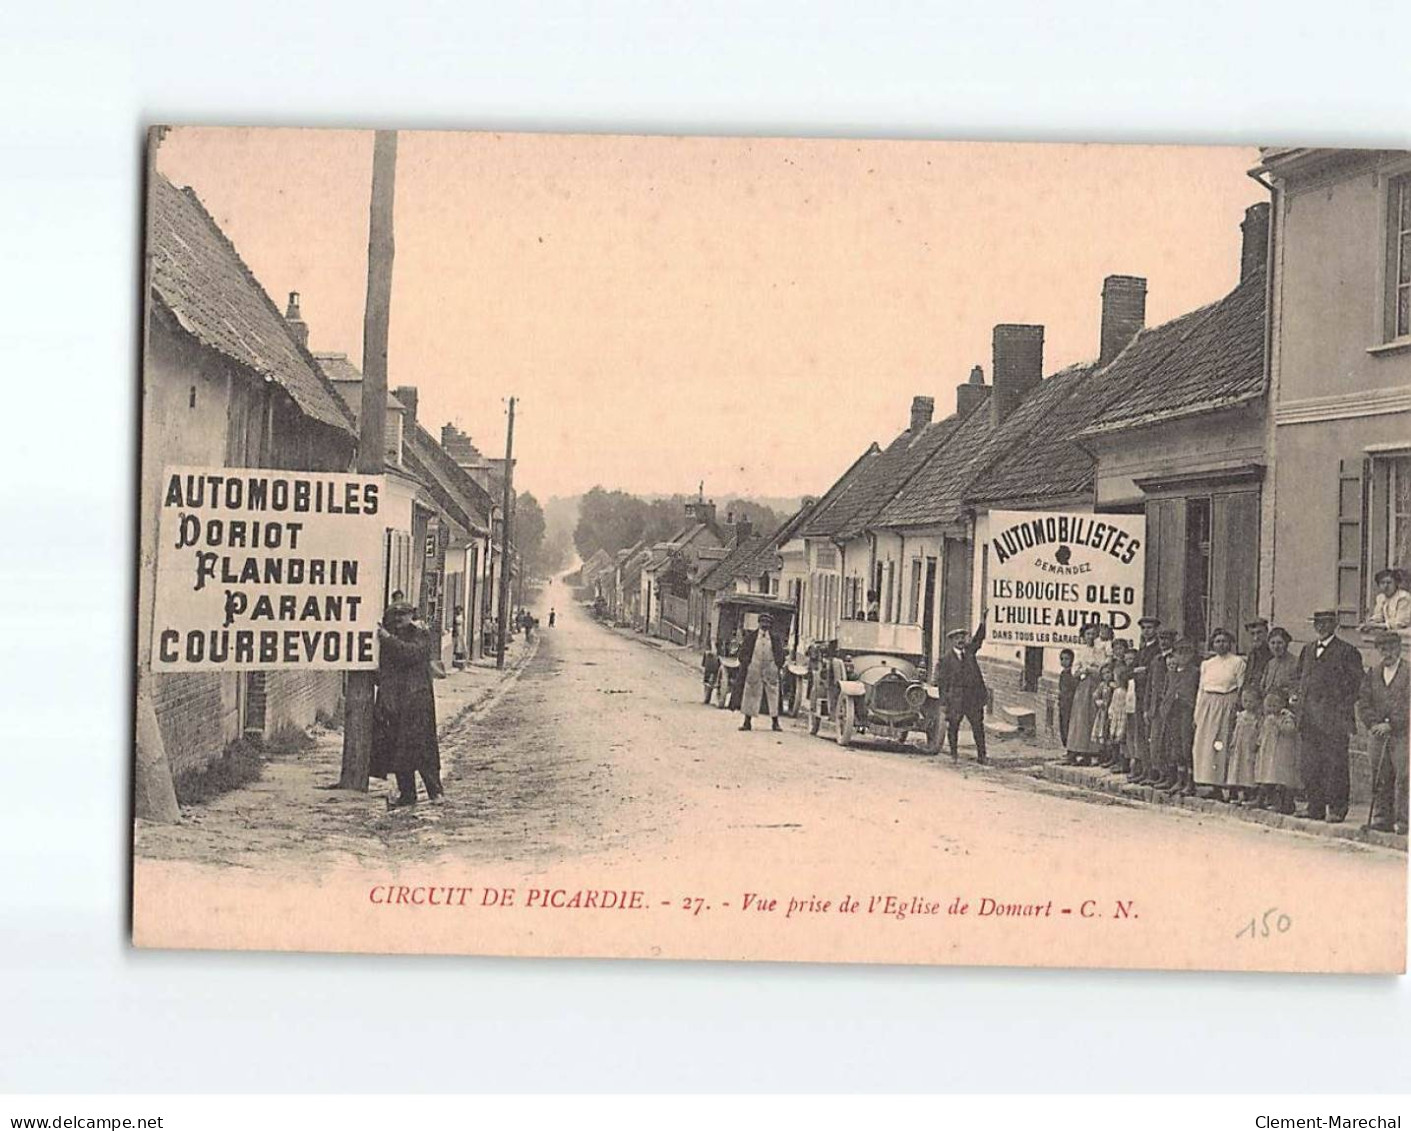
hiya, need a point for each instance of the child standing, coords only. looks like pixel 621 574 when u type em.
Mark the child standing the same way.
pixel 1067 685
pixel 1102 699
pixel 1118 709
pixel 1240 774
pixel 1276 769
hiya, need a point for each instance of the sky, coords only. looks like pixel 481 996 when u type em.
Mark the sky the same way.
pixel 747 312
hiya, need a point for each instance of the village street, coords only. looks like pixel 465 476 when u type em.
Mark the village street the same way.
pixel 600 758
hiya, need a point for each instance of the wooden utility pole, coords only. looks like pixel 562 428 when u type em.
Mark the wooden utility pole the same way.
pixel 506 538
pixel 372 425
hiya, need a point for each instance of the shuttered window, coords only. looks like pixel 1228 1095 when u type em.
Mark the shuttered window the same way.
pixel 1350 542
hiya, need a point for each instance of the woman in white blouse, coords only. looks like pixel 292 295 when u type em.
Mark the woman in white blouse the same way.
pixel 1215 707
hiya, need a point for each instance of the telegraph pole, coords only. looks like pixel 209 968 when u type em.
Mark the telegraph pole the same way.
pixel 372 422
pixel 507 533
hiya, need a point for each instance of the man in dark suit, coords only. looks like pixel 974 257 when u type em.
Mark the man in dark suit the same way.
pixel 1329 677
pixel 1383 707
pixel 963 693
pixel 1162 773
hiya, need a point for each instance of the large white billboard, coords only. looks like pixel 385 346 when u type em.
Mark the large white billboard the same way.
pixel 1049 572
pixel 267 569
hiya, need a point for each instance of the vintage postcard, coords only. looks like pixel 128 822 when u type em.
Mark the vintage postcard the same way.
pixel 774 549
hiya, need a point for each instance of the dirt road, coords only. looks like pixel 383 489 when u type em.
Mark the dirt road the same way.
pixel 600 760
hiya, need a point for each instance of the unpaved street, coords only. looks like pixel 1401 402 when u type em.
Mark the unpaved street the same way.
pixel 600 761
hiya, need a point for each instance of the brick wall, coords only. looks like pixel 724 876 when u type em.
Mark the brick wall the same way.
pixel 196 712
pixel 294 698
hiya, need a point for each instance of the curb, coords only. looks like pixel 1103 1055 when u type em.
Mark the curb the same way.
pixel 510 675
pixel 1099 782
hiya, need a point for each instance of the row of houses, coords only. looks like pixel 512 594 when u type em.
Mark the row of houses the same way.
pixel 1265 437
pixel 230 381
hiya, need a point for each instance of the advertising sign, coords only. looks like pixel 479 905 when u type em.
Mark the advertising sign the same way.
pixel 1050 572
pixel 267 569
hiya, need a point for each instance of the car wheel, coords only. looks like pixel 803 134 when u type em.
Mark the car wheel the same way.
pixel 934 731
pixel 846 719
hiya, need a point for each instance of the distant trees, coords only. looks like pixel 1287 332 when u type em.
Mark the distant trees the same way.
pixel 529 532
pixel 614 520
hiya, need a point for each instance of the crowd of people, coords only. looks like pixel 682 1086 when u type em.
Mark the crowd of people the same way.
pixel 1262 728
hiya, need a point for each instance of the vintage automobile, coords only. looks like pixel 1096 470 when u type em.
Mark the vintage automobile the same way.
pixel 872 680
pixel 736 614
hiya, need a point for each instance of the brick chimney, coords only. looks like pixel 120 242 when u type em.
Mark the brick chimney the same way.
pixel 922 409
pixel 1018 364
pixel 701 511
pixel 297 326
pixel 743 529
pixel 1123 313
pixel 457 445
pixel 973 392
pixel 407 395
pixel 1254 254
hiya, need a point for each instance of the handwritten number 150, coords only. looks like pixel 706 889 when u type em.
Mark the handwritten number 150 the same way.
pixel 1273 922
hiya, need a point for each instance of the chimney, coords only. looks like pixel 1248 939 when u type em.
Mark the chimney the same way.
pixel 1254 254
pixel 973 392
pixel 297 326
pixel 743 529
pixel 407 395
pixel 1018 364
pixel 701 511
pixel 1123 314
pixel 922 409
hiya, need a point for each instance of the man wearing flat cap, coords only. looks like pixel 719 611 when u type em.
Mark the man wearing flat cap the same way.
pixel 1392 609
pixel 1383 708
pixel 1259 654
pixel 1329 678
pixel 1138 734
pixel 761 657
pixel 963 693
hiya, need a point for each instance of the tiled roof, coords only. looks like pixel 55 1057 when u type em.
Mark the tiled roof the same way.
pixel 902 459
pixel 1201 362
pixel 831 510
pixel 1050 464
pixel 723 572
pixel 344 374
pixel 437 469
pixel 199 276
pixel 936 494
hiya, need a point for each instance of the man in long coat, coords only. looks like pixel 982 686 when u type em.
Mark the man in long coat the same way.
pixel 963 693
pixel 759 673
pixel 1138 733
pixel 1160 771
pixel 1383 707
pixel 404 715
pixel 1329 678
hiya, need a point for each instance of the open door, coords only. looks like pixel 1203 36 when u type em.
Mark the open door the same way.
pixel 928 614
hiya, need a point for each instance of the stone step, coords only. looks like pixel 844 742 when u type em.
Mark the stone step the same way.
pixel 1023 719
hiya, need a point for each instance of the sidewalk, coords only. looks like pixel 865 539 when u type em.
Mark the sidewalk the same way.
pixel 1116 785
pixel 467 688
pixel 1010 752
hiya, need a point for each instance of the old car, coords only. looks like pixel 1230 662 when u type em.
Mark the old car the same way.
pixel 734 615
pixel 872 680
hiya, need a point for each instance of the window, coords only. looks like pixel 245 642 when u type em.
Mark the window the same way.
pixel 1398 543
pixel 1197 573
pixel 1377 494
pixel 1398 292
